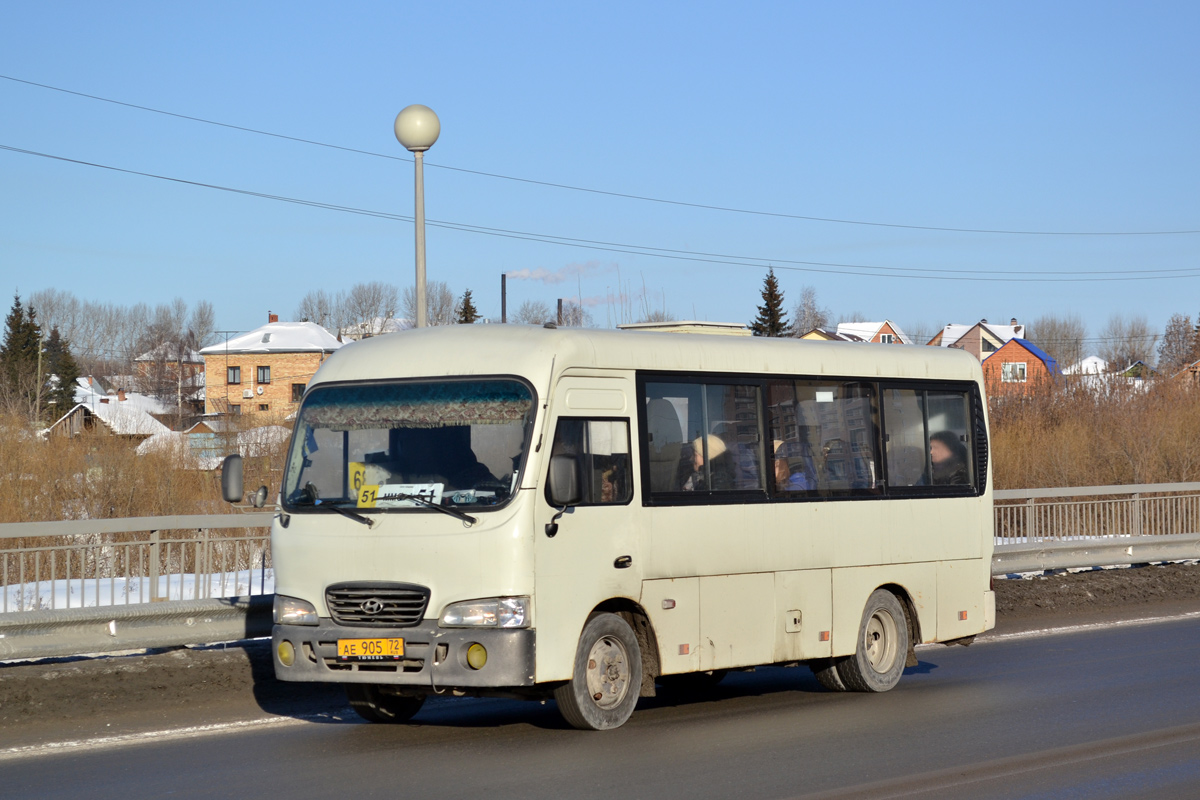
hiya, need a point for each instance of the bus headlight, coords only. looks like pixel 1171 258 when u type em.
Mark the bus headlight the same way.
pixel 494 612
pixel 290 611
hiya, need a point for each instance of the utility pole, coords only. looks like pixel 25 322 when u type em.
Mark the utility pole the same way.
pixel 37 403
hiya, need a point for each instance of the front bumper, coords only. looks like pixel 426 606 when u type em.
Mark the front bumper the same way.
pixel 433 657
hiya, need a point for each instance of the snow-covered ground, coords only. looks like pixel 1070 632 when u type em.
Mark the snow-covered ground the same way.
pixel 92 592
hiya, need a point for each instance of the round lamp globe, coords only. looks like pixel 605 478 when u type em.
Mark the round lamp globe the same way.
pixel 417 128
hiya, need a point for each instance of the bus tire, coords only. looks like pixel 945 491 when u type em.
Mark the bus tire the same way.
pixel 878 660
pixel 375 705
pixel 825 670
pixel 606 676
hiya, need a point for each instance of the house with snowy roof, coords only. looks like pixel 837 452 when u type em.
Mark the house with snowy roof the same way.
pixel 980 340
pixel 265 370
pixel 126 414
pixel 206 450
pixel 829 334
pixel 1019 367
pixel 886 332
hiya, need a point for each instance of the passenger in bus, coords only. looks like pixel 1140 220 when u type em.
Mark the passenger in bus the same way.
pixel 949 457
pixel 719 472
pixel 794 470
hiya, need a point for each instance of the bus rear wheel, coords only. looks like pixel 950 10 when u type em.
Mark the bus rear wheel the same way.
pixel 374 704
pixel 825 670
pixel 878 660
pixel 606 677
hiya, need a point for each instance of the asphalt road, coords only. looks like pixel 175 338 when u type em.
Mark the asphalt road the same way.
pixel 1095 714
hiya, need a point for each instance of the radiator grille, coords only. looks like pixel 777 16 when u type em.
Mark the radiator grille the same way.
pixel 377 605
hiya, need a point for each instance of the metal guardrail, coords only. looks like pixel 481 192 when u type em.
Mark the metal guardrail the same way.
pixel 1061 532
pixel 1027 516
pixel 68 632
pixel 1009 559
pixel 129 560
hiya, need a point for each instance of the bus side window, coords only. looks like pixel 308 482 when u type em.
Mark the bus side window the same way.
pixel 602 447
pixel 928 438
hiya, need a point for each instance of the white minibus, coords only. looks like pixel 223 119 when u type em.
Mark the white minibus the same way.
pixel 597 515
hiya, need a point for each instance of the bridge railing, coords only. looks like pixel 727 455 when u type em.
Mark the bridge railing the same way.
pixel 50 566
pixel 1030 516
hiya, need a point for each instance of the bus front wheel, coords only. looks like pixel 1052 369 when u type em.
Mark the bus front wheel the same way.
pixel 878 660
pixel 375 705
pixel 606 678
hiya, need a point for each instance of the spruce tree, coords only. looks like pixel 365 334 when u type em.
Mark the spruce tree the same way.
pixel 59 394
pixel 19 355
pixel 466 310
pixel 771 319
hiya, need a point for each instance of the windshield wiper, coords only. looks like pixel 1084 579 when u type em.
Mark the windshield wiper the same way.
pixel 454 512
pixel 309 497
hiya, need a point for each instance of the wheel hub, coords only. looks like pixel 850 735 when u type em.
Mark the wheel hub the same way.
pixel 608 672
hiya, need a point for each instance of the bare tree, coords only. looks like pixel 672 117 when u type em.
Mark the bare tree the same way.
pixel 808 313
pixel 657 315
pixel 853 316
pixel 318 306
pixel 369 306
pixel 533 312
pixel 1126 341
pixel 203 323
pixel 921 332
pixel 1061 337
pixel 1178 344
pixel 576 316
pixel 57 309
pixel 439 304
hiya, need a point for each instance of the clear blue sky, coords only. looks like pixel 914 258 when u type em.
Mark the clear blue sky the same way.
pixel 1034 117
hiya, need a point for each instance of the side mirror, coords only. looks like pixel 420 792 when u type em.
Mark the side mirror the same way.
pixel 565 481
pixel 260 497
pixel 231 479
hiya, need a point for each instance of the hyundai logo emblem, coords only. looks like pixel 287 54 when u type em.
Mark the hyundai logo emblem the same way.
pixel 372 606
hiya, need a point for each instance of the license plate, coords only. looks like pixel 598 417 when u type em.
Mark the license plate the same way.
pixel 370 649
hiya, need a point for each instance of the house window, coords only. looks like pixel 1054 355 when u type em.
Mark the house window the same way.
pixel 264 374
pixel 988 347
pixel 264 406
pixel 297 392
pixel 1012 372
pixel 233 375
pixel 234 408
pixel 887 338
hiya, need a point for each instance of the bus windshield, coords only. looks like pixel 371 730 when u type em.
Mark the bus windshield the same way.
pixel 450 443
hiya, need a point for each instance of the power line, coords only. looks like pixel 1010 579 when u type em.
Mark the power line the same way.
pixel 602 192
pixel 754 262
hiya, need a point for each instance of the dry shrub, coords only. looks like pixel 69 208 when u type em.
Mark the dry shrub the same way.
pixel 1077 435
pixel 98 475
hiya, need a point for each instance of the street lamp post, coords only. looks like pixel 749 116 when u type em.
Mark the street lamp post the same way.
pixel 417 128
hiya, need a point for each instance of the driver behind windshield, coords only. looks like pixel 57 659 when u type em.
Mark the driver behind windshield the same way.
pixel 437 455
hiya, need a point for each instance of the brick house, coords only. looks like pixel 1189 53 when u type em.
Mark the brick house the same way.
pixel 266 370
pixel 886 332
pixel 1019 367
pixel 828 334
pixel 980 340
